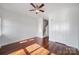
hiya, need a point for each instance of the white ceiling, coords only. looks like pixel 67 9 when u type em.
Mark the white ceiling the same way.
pixel 23 8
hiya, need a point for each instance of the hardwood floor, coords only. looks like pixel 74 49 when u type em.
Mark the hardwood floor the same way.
pixel 53 47
pixel 19 45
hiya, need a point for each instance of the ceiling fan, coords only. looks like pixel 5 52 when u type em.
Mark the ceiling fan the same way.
pixel 37 8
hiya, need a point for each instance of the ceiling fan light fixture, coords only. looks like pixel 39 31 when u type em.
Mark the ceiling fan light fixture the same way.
pixel 37 11
pixel 37 8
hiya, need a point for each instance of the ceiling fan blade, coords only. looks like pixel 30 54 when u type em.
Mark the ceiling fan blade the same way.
pixel 42 10
pixel 33 5
pixel 32 10
pixel 41 5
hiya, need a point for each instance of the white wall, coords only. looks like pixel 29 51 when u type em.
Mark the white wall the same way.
pixel 0 26
pixel 64 26
pixel 40 28
pixel 0 30
pixel 17 27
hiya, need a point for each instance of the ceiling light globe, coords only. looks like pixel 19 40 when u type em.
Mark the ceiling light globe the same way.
pixel 37 11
